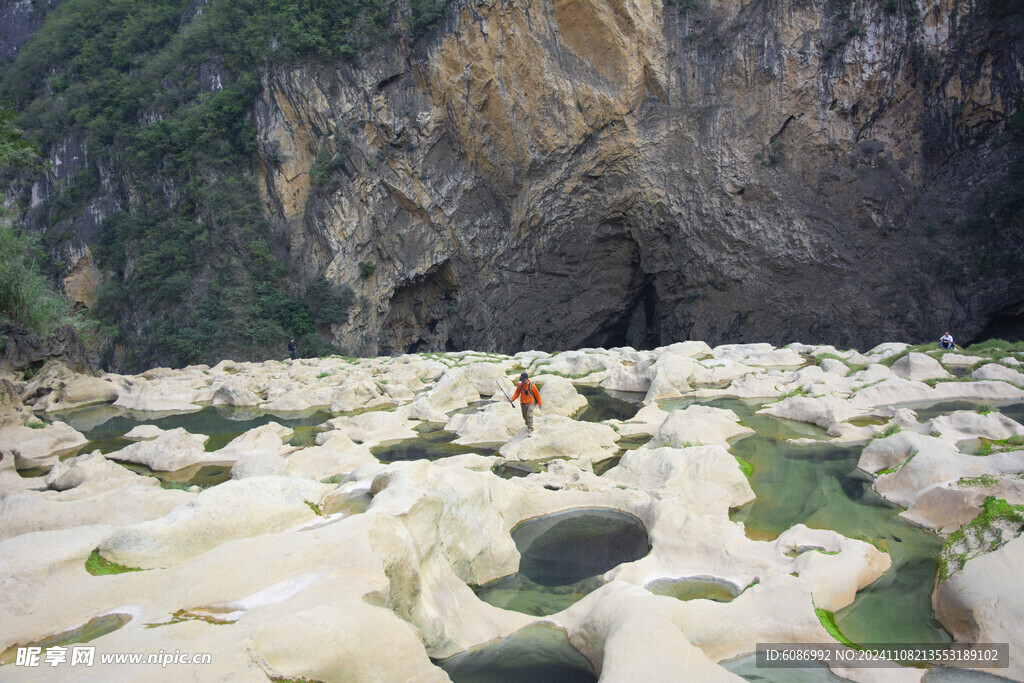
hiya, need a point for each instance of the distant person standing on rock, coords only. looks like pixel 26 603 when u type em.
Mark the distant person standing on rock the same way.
pixel 292 348
pixel 527 394
pixel 946 341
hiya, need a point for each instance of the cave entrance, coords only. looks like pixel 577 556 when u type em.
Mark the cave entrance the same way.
pixel 639 324
pixel 422 311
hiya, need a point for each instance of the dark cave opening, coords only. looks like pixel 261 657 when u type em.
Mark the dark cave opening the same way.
pixel 639 324
pixel 1007 324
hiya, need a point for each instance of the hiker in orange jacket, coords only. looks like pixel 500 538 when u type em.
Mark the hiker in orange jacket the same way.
pixel 528 394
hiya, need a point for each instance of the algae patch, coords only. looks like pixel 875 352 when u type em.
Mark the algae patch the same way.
pixel 98 566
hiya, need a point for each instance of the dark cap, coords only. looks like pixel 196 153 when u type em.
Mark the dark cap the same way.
pixel 524 376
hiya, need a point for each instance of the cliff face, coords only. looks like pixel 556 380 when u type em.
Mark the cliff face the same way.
pixel 566 174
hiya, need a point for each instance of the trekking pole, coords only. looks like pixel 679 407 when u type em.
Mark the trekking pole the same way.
pixel 503 392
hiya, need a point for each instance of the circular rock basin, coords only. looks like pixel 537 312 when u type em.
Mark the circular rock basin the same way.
pixel 539 653
pixel 695 588
pixel 569 546
pixel 563 557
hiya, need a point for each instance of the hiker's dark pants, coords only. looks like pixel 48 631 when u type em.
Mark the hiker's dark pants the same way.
pixel 527 414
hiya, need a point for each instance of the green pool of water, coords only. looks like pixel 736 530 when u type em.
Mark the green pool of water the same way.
pixel 696 588
pixel 203 475
pixel 431 444
pixel 819 485
pixel 931 410
pixel 539 653
pixel 562 558
pixel 746 411
pixel 104 425
pixel 94 628
pixel 520 594
pixel 609 405
pixel 509 470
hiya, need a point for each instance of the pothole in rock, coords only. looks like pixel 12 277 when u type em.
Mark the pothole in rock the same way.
pixel 92 629
pixel 430 445
pixel 104 425
pixel 539 653
pixel 509 470
pixel 931 409
pixel 696 588
pixel 203 475
pixel 562 559
pixel 604 404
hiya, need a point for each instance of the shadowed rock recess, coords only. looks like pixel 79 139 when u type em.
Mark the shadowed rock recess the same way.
pixel 560 174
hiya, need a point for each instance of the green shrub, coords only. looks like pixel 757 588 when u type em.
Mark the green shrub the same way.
pixel 26 297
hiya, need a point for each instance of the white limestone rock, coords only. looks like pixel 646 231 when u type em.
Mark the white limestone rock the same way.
pixel 919 367
pixel 647 421
pixel 372 428
pixel 496 423
pixel 706 479
pixel 834 367
pixel 170 394
pixel 960 360
pixel 92 467
pixel 558 397
pixel 555 436
pixel 934 466
pixel 173 450
pixel 234 509
pixel 143 433
pixel 967 424
pixel 39 447
pixel 234 392
pixel 670 376
pixel 995 371
pixel 632 378
pixel 696 426
pixel 583 364
pixel 824 411
pixel 56 387
pixel 336 455
pixel 978 604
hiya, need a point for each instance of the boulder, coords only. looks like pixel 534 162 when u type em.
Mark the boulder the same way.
pixel 995 371
pixel 705 479
pixel 372 428
pixel 975 606
pixel 670 376
pixel 555 436
pixel 234 509
pixel 496 423
pixel 114 501
pixel 235 391
pixel 559 397
pixel 336 455
pixel 56 387
pixel 41 446
pixel 157 395
pixel 82 469
pixel 698 425
pixel 633 378
pixel 919 367
pixel 959 360
pixel 967 424
pixel 344 640
pixel 584 364
pixel 173 450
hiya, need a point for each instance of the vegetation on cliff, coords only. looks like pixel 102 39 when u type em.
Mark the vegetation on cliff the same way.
pixel 161 92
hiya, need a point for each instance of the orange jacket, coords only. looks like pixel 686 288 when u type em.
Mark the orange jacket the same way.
pixel 529 394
